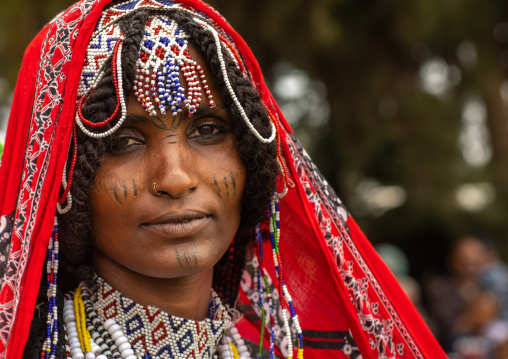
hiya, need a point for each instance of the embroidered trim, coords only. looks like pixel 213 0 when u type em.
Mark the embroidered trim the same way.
pixel 358 282
pixel 48 99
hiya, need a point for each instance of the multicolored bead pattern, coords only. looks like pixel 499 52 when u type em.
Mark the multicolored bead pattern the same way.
pixel 164 57
pixel 151 331
pixel 261 278
pixel 49 346
pixel 100 49
pixel 286 300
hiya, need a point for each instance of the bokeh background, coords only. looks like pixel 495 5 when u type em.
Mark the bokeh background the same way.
pixel 402 104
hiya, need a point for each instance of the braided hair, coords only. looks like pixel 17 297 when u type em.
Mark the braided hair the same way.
pixel 76 227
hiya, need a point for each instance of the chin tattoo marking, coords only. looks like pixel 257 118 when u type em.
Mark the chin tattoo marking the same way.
pixel 178 257
pixel 188 257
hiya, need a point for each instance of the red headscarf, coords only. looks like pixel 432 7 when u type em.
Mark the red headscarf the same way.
pixel 348 302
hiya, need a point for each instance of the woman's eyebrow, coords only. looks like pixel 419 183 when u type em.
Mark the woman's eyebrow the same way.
pixel 135 118
pixel 204 110
pixel 211 111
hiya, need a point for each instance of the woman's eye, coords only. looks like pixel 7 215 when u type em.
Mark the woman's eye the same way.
pixel 129 141
pixel 123 143
pixel 207 130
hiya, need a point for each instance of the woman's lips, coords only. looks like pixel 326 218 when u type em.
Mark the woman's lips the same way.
pixel 178 224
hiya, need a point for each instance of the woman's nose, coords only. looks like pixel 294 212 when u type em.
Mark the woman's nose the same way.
pixel 174 175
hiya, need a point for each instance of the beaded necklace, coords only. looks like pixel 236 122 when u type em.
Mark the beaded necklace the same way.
pixel 105 324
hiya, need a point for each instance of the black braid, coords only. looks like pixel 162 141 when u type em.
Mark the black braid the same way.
pixel 259 159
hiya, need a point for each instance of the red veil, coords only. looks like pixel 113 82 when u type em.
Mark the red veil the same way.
pixel 348 303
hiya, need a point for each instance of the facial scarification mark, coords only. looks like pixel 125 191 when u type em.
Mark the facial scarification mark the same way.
pixel 158 123
pixel 173 139
pixel 190 256
pixel 115 194
pixel 134 188
pixel 217 187
pixel 194 250
pixel 124 190
pixel 234 183
pixel 187 257
pixel 177 120
pixel 226 186
pixel 178 258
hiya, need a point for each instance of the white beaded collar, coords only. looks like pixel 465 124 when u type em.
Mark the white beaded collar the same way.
pixel 154 332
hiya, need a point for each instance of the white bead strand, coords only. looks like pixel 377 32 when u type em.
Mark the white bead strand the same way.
pixel 232 92
pixel 123 107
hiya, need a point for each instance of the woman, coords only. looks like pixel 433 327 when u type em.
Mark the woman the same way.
pixel 171 150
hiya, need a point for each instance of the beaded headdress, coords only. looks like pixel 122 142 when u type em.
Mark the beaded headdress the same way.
pixel 163 58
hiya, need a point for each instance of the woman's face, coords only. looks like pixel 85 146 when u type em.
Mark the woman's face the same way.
pixel 187 226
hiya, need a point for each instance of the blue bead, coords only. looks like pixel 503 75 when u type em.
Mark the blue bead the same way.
pixel 292 309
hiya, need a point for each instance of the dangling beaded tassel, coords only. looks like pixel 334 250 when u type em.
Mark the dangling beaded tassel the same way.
pixel 258 250
pixel 79 312
pixel 285 300
pixel 164 51
pixel 49 346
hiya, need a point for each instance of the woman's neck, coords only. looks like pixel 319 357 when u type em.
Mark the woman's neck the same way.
pixel 185 297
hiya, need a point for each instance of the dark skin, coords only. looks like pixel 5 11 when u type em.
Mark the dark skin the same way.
pixel 159 245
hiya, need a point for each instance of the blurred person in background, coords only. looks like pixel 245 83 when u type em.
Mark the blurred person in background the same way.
pixel 449 295
pixel 493 275
pixel 478 331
